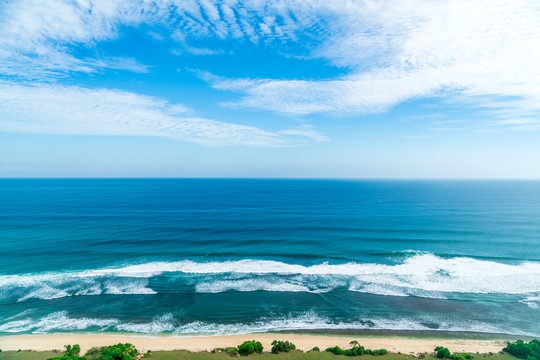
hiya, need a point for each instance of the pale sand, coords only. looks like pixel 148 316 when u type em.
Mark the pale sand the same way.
pixel 202 343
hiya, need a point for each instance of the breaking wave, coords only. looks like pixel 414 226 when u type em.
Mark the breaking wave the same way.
pixel 421 274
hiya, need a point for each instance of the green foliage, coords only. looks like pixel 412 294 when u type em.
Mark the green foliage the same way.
pixel 316 348
pixel 282 346
pixel 336 350
pixel 250 347
pixel 444 353
pixel 356 350
pixel 114 352
pixel 523 350
pixel 461 356
pixel 72 353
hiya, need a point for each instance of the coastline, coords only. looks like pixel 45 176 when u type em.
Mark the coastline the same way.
pixel 304 342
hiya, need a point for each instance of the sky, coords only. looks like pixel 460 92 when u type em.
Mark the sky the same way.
pixel 270 89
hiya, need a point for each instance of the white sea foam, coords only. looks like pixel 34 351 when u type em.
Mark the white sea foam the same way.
pixel 253 284
pixel 532 301
pixel 166 323
pixel 161 324
pixel 421 274
pixel 46 293
pixel 128 288
pixel 55 321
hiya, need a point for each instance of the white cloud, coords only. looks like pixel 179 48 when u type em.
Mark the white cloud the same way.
pixel 483 53
pixel 56 109
pixel 397 51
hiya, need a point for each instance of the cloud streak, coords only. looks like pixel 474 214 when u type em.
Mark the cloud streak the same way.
pixel 74 110
pixel 466 51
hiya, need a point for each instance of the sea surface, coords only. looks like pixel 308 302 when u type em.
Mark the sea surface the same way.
pixel 216 256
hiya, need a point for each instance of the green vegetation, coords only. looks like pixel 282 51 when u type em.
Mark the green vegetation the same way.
pixel 316 348
pixel 291 355
pixel 72 353
pixel 356 350
pixel 114 352
pixel 282 346
pixel 523 350
pixel 250 347
pixel 444 353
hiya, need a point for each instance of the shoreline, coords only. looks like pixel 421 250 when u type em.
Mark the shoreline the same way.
pixel 303 341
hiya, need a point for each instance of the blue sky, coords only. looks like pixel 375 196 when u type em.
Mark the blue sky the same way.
pixel 347 89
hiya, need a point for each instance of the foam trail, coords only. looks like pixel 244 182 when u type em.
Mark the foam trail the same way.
pixel 59 321
pixel 532 301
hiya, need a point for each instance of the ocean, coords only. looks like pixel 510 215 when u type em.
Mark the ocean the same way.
pixel 228 256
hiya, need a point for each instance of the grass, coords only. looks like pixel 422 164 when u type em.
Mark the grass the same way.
pixel 28 355
pixel 293 355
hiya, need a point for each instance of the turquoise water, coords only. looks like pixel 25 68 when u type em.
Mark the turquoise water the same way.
pixel 234 256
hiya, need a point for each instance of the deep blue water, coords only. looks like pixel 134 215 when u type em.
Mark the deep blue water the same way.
pixel 230 256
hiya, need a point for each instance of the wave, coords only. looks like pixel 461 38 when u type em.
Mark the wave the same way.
pixel 60 321
pixel 56 321
pixel 420 274
pixel 532 301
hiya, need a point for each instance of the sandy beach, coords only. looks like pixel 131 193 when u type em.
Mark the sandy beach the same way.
pixel 207 343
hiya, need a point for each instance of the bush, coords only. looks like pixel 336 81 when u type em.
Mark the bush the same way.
pixel 356 350
pixel 523 350
pixel 250 347
pixel 461 356
pixel 316 348
pixel 282 346
pixel 72 353
pixel 115 352
pixel 336 350
pixel 442 352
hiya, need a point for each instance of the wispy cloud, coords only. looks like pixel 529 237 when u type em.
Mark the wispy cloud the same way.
pixel 469 51
pixel 56 109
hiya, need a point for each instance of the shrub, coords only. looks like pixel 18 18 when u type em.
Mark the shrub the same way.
pixel 73 350
pixel 356 350
pixel 316 348
pixel 336 350
pixel 461 356
pixel 250 347
pixel 282 346
pixel 115 352
pixel 72 353
pixel 442 352
pixel 523 350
